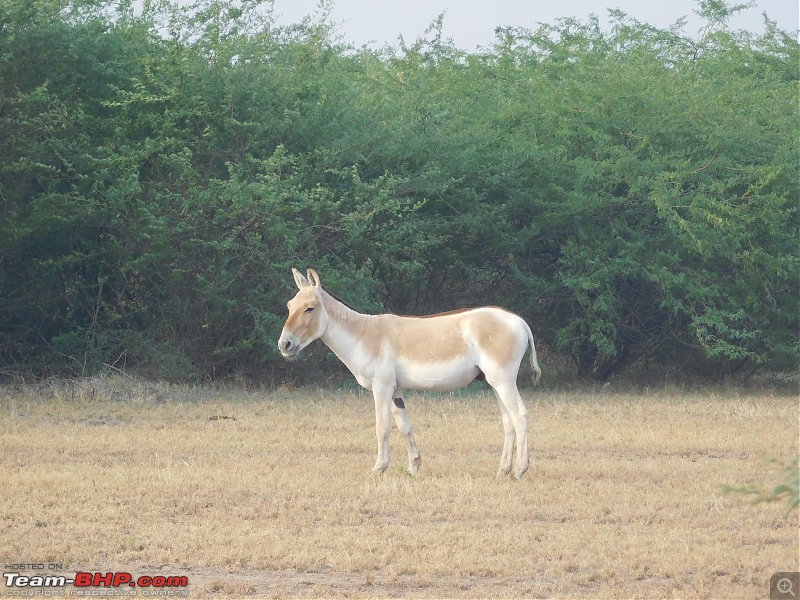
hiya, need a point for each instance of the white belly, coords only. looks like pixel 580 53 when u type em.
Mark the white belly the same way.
pixel 436 376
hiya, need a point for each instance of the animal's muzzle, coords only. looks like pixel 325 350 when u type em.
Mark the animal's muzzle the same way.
pixel 288 347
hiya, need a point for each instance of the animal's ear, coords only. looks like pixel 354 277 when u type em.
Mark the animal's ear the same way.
pixel 301 281
pixel 313 278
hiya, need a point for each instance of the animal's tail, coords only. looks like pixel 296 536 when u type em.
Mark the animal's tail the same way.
pixel 537 372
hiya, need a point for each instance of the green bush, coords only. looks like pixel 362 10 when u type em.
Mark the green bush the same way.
pixel 632 192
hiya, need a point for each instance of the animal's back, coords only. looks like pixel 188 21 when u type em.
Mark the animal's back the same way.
pixel 490 330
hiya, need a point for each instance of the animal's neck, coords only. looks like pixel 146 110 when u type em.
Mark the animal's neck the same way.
pixel 345 327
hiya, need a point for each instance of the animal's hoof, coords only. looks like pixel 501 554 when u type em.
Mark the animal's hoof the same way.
pixel 503 471
pixel 518 473
pixel 379 469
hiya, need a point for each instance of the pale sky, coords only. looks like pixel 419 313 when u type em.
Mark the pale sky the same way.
pixel 471 23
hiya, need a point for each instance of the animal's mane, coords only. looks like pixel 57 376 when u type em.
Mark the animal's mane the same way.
pixel 439 314
pixel 335 297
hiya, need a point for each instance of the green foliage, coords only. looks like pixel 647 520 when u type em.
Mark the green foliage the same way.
pixel 788 489
pixel 632 192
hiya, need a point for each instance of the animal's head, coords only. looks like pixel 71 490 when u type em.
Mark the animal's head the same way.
pixel 308 319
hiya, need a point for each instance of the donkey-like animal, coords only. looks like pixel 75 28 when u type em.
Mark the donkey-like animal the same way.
pixel 388 353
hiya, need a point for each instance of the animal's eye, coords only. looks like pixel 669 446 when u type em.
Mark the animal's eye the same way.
pixel 310 309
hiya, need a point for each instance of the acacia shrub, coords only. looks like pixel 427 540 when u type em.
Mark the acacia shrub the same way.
pixel 631 191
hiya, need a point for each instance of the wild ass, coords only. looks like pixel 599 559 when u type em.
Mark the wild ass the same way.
pixel 446 351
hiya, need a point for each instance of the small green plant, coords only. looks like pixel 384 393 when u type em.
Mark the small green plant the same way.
pixel 789 489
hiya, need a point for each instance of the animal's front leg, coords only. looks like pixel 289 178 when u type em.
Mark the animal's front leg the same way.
pixel 383 425
pixel 404 425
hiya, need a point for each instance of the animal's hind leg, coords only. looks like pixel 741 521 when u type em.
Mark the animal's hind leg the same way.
pixel 508 440
pixel 404 425
pixel 509 397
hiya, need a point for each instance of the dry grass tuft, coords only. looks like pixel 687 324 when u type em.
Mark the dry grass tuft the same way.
pixel 269 494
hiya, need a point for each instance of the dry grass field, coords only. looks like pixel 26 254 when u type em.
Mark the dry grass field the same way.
pixel 269 494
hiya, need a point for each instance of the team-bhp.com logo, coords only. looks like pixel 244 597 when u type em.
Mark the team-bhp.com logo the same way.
pixel 121 584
